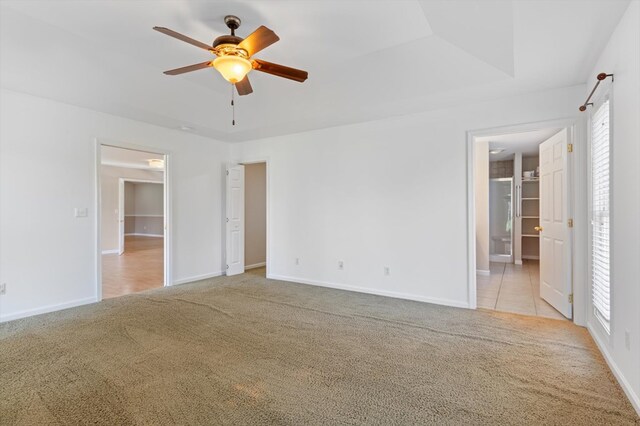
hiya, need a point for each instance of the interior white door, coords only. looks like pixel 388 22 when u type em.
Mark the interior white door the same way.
pixel 235 220
pixel 555 247
pixel 121 216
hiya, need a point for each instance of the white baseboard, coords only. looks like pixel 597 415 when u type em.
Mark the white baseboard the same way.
pixel 114 251
pixel 137 234
pixel 47 309
pixel 624 384
pixel 197 278
pixel 518 262
pixel 357 289
pixel 483 272
pixel 526 256
pixel 255 265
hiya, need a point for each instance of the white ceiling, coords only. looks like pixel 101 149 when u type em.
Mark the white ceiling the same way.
pixel 113 156
pixel 525 142
pixel 366 59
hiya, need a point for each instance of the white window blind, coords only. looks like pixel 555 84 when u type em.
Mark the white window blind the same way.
pixel 600 220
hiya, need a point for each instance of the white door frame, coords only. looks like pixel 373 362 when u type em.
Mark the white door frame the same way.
pixel 168 257
pixel 121 203
pixel 577 184
pixel 268 206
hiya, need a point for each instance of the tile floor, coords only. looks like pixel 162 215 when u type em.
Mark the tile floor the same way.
pixel 514 288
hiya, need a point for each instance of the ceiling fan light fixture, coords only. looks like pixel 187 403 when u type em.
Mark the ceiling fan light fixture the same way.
pixel 232 68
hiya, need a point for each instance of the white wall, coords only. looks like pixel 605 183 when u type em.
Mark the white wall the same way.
pixel 144 209
pixel 482 206
pixel 48 167
pixel 622 58
pixel 109 177
pixel 386 193
pixel 255 213
pixel 148 199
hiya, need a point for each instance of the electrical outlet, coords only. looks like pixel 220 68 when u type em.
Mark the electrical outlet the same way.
pixel 627 340
pixel 297 260
pixel 386 270
pixel 340 264
pixel 3 289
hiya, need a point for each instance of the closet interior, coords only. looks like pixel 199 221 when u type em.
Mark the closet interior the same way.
pixel 514 209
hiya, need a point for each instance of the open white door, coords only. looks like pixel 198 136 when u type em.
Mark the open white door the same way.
pixel 235 220
pixel 555 247
pixel 120 216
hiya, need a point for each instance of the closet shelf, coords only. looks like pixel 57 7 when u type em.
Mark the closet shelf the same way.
pixel 530 217
pixel 531 235
pixel 529 199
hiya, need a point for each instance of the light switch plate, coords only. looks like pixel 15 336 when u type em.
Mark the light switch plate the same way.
pixel 80 212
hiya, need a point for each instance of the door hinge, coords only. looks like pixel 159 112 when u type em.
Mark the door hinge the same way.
pixel 570 147
pixel 227 172
pixel 570 223
pixel 227 266
pixel 571 298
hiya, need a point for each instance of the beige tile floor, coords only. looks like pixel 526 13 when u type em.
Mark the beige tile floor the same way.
pixel 514 288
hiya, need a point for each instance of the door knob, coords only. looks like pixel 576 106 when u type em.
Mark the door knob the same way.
pixel 538 228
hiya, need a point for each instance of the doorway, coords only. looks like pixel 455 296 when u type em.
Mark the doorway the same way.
pixel 247 218
pixel 132 204
pixel 255 219
pixel 521 220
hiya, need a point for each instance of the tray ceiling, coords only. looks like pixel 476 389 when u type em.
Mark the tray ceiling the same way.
pixel 366 60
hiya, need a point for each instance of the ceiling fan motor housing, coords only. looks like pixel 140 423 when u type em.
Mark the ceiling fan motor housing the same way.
pixel 226 44
pixel 226 39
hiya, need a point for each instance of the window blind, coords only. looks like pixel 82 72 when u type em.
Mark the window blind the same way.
pixel 601 218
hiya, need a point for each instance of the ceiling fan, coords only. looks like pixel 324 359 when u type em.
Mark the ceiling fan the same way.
pixel 234 56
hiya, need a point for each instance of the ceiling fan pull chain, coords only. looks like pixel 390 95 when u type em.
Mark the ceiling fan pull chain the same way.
pixel 233 106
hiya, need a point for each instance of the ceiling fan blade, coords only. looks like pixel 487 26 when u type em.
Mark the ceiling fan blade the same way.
pixel 280 70
pixel 243 86
pixel 258 40
pixel 182 37
pixel 189 68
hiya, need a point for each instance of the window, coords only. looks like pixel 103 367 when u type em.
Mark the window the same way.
pixel 600 213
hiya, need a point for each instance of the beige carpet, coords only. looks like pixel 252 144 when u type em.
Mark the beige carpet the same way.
pixel 246 350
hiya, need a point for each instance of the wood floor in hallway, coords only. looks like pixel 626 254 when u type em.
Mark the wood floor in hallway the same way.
pixel 516 289
pixel 139 268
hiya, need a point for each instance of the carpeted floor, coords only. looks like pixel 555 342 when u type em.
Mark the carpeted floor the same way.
pixel 246 350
